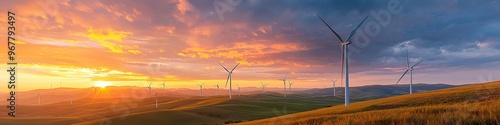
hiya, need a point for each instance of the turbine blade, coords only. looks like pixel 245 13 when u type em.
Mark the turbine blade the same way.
pixel 337 35
pixel 235 66
pixel 417 63
pixel 407 59
pixel 402 76
pixel 224 67
pixel 285 76
pixel 354 30
pixel 227 80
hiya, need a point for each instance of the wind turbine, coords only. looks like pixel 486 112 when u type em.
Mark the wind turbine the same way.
pixel 38 95
pixel 290 84
pixel 71 99
pixel 345 57
pixel 156 100
pixel 238 89
pixel 263 87
pixel 217 88
pixel 163 87
pixel 409 69
pixel 201 88
pixel 149 87
pixel 229 79
pixel 284 84
pixel 334 81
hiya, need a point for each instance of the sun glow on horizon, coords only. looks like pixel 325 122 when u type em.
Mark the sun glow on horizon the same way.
pixel 102 84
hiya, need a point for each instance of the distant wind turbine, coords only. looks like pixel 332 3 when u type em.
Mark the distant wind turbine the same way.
pixel 163 87
pixel 284 84
pixel 156 100
pixel 217 88
pixel 201 88
pixel 239 94
pixel 149 87
pixel 263 87
pixel 71 99
pixel 409 69
pixel 38 95
pixel 345 57
pixel 334 81
pixel 229 79
pixel 290 84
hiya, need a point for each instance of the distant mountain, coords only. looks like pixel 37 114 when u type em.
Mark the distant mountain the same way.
pixel 376 91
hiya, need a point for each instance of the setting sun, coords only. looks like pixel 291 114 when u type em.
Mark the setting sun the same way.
pixel 102 84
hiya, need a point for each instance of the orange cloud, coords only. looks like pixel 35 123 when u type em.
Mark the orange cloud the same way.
pixel 241 50
pixel 184 6
pixel 135 51
pixel 108 39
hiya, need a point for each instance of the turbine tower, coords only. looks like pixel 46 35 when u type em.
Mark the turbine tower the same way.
pixel 345 57
pixel 408 68
pixel 334 81
pixel 217 88
pixel 263 87
pixel 201 88
pixel 290 84
pixel 71 99
pixel 284 84
pixel 229 79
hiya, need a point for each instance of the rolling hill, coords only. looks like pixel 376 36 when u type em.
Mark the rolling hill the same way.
pixel 134 106
pixel 469 104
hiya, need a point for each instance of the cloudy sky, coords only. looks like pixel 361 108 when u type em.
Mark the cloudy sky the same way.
pixel 130 42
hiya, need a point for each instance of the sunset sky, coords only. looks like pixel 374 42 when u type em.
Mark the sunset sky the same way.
pixel 131 42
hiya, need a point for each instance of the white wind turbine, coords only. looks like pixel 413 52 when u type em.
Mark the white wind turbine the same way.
pixel 263 87
pixel 409 69
pixel 239 94
pixel 284 84
pixel 201 88
pixel 345 57
pixel 334 81
pixel 217 88
pixel 290 84
pixel 163 87
pixel 229 79
pixel 149 87
pixel 38 95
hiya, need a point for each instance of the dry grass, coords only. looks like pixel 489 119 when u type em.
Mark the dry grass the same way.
pixel 471 104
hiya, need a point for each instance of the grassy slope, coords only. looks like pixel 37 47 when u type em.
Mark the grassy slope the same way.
pixel 471 104
pixel 217 110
